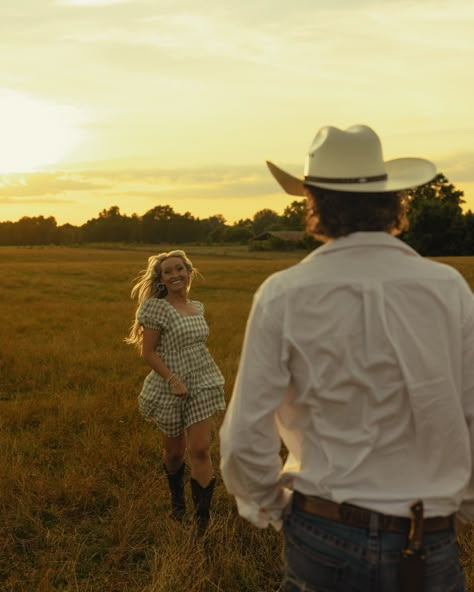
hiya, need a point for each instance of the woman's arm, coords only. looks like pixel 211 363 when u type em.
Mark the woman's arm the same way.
pixel 151 339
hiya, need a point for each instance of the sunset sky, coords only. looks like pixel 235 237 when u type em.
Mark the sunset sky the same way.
pixel 137 103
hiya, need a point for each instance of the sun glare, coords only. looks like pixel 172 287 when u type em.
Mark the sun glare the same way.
pixel 35 133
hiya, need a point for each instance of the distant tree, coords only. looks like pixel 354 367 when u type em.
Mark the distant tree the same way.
pixel 216 235
pixel 135 229
pixel 216 220
pixel 469 232
pixel 437 224
pixel 110 226
pixel 243 223
pixel 35 231
pixel 214 228
pixel 156 225
pixel 265 219
pixel 237 234
pixel 184 228
pixel 7 233
pixel 294 215
pixel 69 234
pixel 112 212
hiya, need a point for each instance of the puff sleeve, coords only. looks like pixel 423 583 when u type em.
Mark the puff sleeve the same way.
pixel 153 314
pixel 199 306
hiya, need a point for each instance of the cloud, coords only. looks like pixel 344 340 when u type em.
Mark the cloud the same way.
pixel 458 167
pixel 234 190
pixel 42 184
pixel 162 184
pixel 208 181
pixel 142 63
pixel 301 41
pixel 193 183
pixel 39 200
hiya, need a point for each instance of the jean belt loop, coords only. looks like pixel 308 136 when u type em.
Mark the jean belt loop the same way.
pixel 374 525
pixel 288 509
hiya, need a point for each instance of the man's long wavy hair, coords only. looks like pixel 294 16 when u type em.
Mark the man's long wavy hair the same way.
pixel 333 214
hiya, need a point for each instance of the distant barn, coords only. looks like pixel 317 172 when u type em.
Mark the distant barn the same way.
pixel 294 236
pixel 278 240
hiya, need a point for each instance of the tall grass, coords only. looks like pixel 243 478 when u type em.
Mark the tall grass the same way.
pixel 83 501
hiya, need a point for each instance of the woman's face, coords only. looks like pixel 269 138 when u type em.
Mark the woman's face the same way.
pixel 174 275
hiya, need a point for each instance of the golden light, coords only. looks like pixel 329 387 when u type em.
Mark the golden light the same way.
pixel 35 133
pixel 90 2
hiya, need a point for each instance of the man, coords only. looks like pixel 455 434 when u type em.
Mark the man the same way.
pixel 360 359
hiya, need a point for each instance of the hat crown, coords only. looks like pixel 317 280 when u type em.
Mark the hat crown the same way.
pixel 338 154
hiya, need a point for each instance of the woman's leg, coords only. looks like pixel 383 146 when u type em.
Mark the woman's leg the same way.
pixel 199 449
pixel 173 452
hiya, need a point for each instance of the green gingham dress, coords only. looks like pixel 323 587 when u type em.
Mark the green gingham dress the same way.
pixel 182 347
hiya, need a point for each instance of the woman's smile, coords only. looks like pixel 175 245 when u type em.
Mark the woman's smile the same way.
pixel 179 282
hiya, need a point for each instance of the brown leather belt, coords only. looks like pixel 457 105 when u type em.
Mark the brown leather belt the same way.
pixel 360 517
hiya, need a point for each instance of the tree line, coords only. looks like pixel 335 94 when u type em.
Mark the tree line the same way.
pixel 438 225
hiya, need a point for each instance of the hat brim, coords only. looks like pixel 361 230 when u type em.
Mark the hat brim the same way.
pixel 402 173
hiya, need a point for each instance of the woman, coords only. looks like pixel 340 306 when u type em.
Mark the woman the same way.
pixel 185 387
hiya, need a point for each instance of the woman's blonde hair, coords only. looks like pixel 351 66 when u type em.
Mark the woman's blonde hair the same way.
pixel 148 285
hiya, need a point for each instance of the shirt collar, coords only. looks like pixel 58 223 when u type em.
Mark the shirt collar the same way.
pixel 363 239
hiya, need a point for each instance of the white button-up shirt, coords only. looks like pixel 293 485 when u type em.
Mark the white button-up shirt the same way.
pixel 360 359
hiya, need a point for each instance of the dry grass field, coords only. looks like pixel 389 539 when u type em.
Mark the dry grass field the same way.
pixel 83 502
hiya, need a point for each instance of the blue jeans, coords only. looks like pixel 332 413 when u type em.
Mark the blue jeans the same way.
pixel 327 556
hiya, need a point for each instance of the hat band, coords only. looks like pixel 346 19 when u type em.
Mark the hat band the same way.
pixel 373 179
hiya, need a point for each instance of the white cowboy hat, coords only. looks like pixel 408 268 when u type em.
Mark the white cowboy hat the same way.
pixel 352 160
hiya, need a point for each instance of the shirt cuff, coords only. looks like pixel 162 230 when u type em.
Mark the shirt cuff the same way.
pixel 260 516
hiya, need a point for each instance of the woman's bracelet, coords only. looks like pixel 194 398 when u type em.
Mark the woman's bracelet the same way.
pixel 170 377
pixel 176 382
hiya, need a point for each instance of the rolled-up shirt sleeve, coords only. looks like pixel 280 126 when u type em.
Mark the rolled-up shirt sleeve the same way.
pixel 249 440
